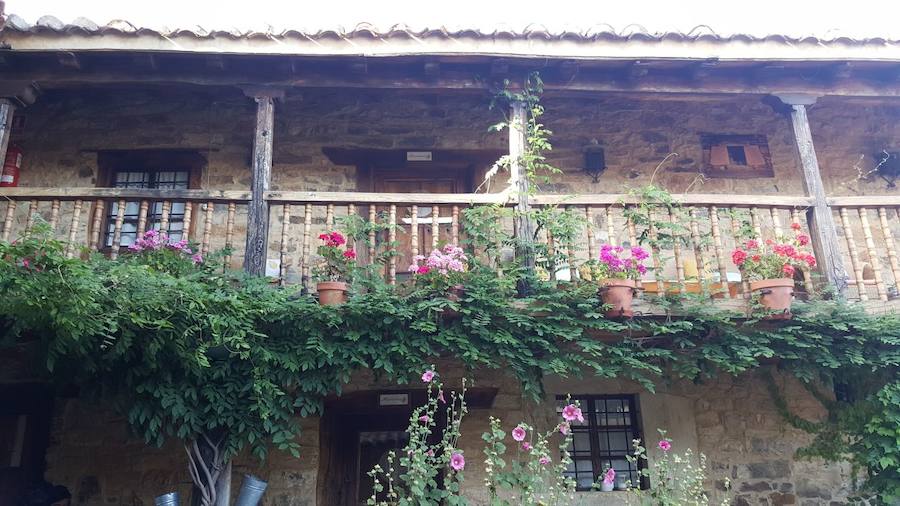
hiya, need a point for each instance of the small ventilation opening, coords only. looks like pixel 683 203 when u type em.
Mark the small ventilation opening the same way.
pixel 737 155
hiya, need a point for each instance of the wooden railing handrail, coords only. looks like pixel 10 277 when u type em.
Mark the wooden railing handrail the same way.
pixel 723 200
pixel 76 193
pixel 865 201
pixel 281 197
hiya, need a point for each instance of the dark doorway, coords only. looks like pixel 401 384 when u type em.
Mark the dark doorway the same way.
pixel 25 412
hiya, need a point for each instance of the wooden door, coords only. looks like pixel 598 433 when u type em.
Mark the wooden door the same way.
pixel 432 180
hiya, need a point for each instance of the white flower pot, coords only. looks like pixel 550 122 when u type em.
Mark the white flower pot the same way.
pixel 607 487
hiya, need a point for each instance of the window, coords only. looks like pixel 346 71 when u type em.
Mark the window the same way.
pixel 148 169
pixel 604 440
pixel 736 156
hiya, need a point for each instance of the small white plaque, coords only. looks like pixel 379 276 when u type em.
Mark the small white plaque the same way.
pixel 393 400
pixel 273 267
pixel 418 156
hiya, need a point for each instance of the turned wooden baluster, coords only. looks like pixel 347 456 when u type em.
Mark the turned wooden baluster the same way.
pixel 97 225
pixel 873 253
pixel 372 218
pixel 283 253
pixel 142 217
pixel 329 217
pixel 699 258
pixel 719 249
pixel 414 231
pixel 164 218
pixel 854 254
pixel 610 226
pixel 229 232
pixel 435 226
pixel 755 223
pixel 351 211
pixel 654 252
pixel 186 227
pixel 207 228
pixel 8 219
pixel 676 253
pixel 392 244
pixel 736 233
pixel 307 231
pixel 570 250
pixel 891 246
pixel 32 210
pixel 632 232
pixel 54 214
pixel 117 229
pixel 73 229
pixel 551 253
pixel 776 222
pixel 591 245
pixel 454 226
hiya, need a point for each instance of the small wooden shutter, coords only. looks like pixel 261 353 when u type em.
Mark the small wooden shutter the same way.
pixel 754 156
pixel 718 155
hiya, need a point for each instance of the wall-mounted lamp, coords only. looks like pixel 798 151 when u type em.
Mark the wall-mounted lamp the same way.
pixel 594 161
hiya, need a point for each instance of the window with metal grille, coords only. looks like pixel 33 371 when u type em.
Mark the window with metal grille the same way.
pixel 160 180
pixel 604 440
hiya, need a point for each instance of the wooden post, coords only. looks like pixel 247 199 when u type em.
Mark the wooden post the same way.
pixel 518 131
pixel 260 178
pixel 7 109
pixel 821 222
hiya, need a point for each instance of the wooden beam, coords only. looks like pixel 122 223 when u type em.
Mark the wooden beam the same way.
pixel 90 193
pixel 821 221
pixel 260 179
pixel 432 69
pixel 518 132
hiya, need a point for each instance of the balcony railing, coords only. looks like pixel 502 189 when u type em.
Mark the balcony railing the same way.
pixel 415 223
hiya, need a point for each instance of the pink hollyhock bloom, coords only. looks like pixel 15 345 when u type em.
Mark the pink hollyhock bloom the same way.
pixel 424 418
pixel 518 434
pixel 427 376
pixel 457 461
pixel 571 413
pixel 564 429
pixel 441 396
pixel 610 476
pixel 430 453
pixel 526 446
pixel 544 461
pixel 664 445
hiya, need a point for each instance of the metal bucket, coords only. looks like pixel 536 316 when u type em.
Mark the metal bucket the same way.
pixel 170 499
pixel 252 489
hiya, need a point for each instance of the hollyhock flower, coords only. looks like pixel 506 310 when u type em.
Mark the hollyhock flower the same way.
pixel 564 429
pixel 544 461
pixel 788 270
pixel 430 452
pixel 350 254
pixel 518 433
pixel 610 476
pixel 738 256
pixel 665 445
pixel 424 419
pixel 440 396
pixel 457 461
pixel 802 239
pixel 795 226
pixel 571 413
pixel 427 376
pixel 526 446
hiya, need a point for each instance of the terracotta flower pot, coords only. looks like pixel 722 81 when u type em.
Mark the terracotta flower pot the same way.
pixel 775 295
pixel 454 293
pixel 332 293
pixel 619 294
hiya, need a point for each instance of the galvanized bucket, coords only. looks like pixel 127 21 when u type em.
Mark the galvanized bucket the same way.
pixel 252 489
pixel 170 499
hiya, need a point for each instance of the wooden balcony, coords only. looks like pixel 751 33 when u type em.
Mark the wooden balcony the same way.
pixel 416 223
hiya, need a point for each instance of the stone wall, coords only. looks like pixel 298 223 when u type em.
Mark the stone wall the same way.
pixel 732 421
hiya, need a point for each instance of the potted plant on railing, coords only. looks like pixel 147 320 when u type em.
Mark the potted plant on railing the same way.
pixel 618 271
pixel 442 272
pixel 335 269
pixel 770 266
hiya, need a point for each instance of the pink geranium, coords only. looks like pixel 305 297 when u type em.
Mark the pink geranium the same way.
pixel 518 433
pixel 457 461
